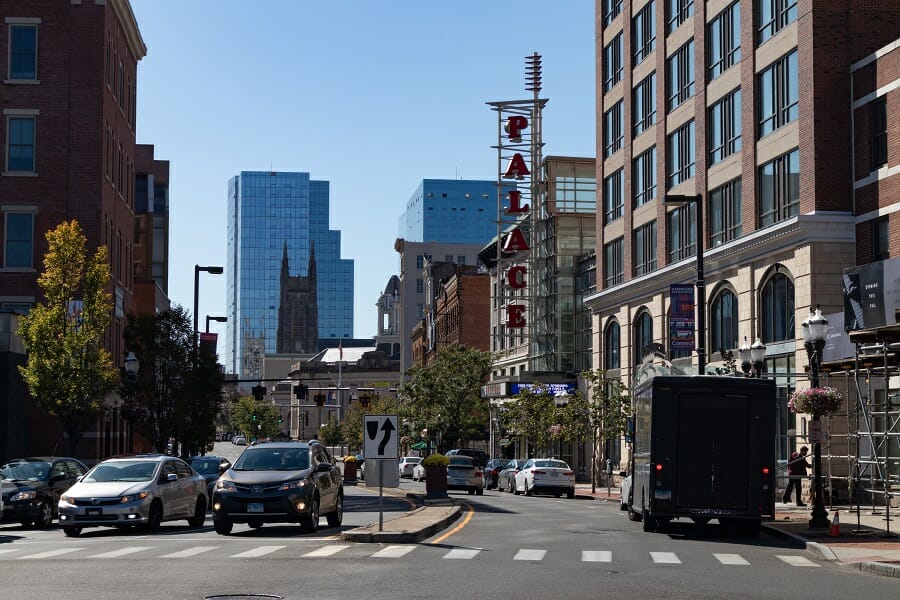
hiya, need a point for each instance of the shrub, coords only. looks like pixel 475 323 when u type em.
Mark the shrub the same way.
pixel 436 460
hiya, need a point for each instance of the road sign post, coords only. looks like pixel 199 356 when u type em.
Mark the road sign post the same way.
pixel 381 443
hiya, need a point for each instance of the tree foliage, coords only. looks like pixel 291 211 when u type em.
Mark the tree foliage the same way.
pixel 267 415
pixel 352 425
pixel 534 415
pixel 331 433
pixel 68 371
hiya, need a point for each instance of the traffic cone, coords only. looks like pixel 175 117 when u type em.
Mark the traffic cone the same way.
pixel 835 530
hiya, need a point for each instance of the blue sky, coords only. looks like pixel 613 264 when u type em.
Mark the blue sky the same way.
pixel 372 96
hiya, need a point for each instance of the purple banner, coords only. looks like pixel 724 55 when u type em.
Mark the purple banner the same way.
pixel 681 317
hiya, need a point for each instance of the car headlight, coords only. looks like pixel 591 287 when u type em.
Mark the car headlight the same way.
pixel 291 485
pixel 67 499
pixel 225 486
pixel 22 496
pixel 134 497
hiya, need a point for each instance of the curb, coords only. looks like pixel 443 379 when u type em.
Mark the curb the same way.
pixel 879 568
pixel 410 536
pixel 876 568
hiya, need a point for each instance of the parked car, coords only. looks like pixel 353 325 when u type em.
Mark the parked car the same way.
pixel 360 467
pixel 239 440
pixel 407 463
pixel 506 480
pixel 462 474
pixel 625 498
pixel 141 489
pixel 32 487
pixel 210 467
pixel 492 472
pixel 479 457
pixel 546 476
pixel 280 482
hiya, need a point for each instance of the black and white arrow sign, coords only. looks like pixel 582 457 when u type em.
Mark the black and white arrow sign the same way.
pixel 380 438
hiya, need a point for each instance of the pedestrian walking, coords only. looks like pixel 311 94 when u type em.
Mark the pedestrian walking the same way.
pixel 797 467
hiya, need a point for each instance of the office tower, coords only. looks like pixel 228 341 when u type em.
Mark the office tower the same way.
pixel 278 233
pixel 451 211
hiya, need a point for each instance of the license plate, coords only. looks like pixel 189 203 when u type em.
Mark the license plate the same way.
pixel 554 474
pixel 459 481
pixel 663 494
pixel 93 512
pixel 255 507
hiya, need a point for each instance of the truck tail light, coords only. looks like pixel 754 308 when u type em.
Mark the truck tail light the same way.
pixel 765 470
pixel 658 467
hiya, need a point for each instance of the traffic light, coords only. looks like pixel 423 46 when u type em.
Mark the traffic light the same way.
pixel 364 401
pixel 259 392
pixel 320 399
pixel 280 419
pixel 253 417
pixel 300 391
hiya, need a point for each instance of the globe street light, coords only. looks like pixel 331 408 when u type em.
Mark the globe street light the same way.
pixel 132 365
pixel 758 356
pixel 815 328
pixel 744 355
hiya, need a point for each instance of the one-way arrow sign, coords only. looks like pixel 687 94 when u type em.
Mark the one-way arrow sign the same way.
pixel 380 439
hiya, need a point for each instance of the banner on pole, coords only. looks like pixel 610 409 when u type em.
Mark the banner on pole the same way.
pixel 681 317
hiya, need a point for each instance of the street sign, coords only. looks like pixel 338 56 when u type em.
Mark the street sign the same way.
pixel 380 437
pixel 815 432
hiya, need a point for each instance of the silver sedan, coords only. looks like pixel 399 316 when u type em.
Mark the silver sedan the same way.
pixel 462 474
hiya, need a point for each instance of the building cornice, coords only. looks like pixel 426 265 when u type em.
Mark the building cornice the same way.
pixel 130 27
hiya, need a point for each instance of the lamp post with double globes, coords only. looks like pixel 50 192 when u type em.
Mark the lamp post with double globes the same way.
pixel 132 365
pixel 815 328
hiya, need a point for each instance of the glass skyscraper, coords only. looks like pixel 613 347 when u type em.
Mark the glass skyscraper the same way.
pixel 451 211
pixel 278 219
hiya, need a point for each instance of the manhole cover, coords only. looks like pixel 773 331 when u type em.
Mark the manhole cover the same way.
pixel 242 597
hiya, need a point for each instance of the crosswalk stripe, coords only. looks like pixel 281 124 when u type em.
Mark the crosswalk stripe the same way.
pixel 189 552
pixel 50 553
pixel 121 552
pixel 665 558
pixel 325 551
pixel 261 551
pixel 526 554
pixel 462 553
pixel 393 552
pixel 731 559
pixel 796 561
pixel 596 556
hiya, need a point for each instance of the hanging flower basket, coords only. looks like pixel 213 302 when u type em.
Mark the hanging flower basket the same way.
pixel 818 402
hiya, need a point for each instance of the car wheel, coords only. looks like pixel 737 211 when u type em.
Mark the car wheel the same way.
pixel 337 517
pixel 528 490
pixel 154 519
pixel 310 521
pixel 72 531
pixel 223 526
pixel 255 523
pixel 480 491
pixel 199 517
pixel 471 491
pixel 570 494
pixel 511 486
pixel 45 515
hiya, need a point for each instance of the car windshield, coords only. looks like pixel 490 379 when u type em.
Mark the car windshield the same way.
pixel 206 466
pixel 413 460
pixel 25 471
pixel 460 461
pixel 555 464
pixel 122 470
pixel 273 459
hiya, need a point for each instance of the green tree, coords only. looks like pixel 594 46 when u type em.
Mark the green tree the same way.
pixel 255 418
pixel 533 415
pixel 352 425
pixel 204 401
pixel 331 433
pixel 68 371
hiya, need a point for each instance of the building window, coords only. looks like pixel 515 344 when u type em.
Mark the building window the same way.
pixel 681 156
pixel 20 144
pixel 645 249
pixel 613 196
pixel 725 219
pixel 878 120
pixel 724 321
pixel 643 336
pixel 19 236
pixel 643 177
pixel 881 249
pixel 779 189
pixel 643 33
pixel 611 346
pixel 682 232
pixel 460 259
pixel 723 36
pixel 644 104
pixel 778 309
pixel 613 129
pixel 773 16
pixel 420 286
pixel 725 127
pixel 23 52
pixel 611 10
pixel 612 63
pixel 613 263
pixel 677 12
pixel 779 93
pixel 680 76
pixel 420 261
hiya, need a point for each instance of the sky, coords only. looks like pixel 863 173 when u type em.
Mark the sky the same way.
pixel 371 96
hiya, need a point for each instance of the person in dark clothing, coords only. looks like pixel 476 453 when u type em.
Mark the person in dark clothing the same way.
pixel 797 467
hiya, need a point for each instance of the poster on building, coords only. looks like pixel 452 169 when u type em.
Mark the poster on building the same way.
pixel 681 317
pixel 871 294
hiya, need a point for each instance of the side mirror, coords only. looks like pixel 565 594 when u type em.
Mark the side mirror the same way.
pixel 171 477
pixel 323 467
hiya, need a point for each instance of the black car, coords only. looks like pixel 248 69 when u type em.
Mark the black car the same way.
pixel 32 487
pixel 479 457
pixel 210 467
pixel 279 482
pixel 492 472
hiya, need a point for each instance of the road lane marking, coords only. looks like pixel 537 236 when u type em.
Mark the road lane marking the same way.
pixel 731 559
pixel 458 528
pixel 393 552
pixel 50 553
pixel 665 558
pixel 596 556
pixel 6 550
pixel 121 552
pixel 260 551
pixel 189 552
pixel 462 553
pixel 325 551
pixel 526 554
pixel 796 561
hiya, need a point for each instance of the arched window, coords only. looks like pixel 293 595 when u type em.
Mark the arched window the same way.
pixel 778 309
pixel 643 335
pixel 724 321
pixel 611 344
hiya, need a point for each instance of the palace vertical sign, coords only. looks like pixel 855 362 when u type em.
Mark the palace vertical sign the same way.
pixel 515 242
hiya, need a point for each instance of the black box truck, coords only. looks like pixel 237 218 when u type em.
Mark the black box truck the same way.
pixel 704 448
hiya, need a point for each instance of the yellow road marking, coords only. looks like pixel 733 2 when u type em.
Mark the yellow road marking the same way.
pixel 459 527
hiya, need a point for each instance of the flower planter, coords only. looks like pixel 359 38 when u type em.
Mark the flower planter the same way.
pixel 435 482
pixel 350 472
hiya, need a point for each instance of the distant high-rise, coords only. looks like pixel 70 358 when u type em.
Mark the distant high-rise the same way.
pixel 274 221
pixel 451 211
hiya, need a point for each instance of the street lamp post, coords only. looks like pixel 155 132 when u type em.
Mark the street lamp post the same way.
pixel 744 356
pixel 132 365
pixel 701 283
pixel 211 271
pixel 815 328
pixel 216 319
